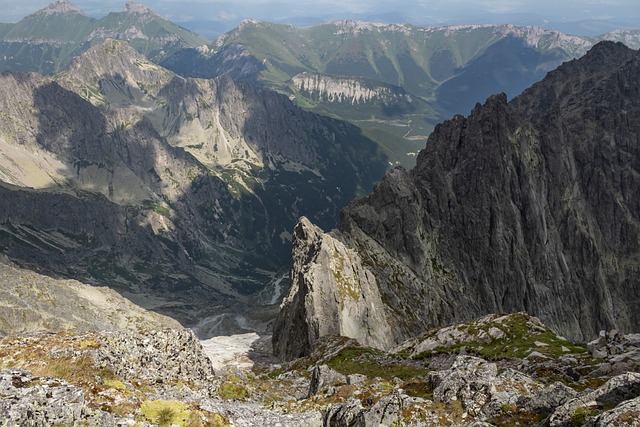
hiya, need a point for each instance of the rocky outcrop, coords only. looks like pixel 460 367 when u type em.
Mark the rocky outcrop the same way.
pixel 162 356
pixel 42 401
pixel 386 412
pixel 528 205
pixel 623 388
pixel 331 294
pixel 107 379
pixel 492 371
pixel 120 379
pixel 340 90
pixel 627 413
pixel 324 377
pixel 615 346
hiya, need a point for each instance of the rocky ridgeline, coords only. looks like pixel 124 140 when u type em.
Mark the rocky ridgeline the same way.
pixel 508 209
pixel 499 370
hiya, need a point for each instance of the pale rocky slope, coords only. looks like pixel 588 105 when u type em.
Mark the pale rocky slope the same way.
pixel 34 303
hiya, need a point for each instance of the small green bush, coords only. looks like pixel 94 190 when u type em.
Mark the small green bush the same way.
pixel 231 391
pixel 581 415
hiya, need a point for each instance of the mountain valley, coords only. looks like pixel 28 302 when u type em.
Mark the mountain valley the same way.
pixel 426 74
pixel 165 201
pixel 155 184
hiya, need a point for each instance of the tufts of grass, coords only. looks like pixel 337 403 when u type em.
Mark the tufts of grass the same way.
pixel 89 344
pixel 165 412
pixel 582 414
pixel 115 384
pixel 230 390
pixel 78 370
pixel 374 364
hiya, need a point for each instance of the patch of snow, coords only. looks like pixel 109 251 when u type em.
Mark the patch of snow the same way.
pixel 230 350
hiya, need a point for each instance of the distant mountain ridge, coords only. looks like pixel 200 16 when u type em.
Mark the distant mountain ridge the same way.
pixel 47 40
pixel 430 72
pixel 441 70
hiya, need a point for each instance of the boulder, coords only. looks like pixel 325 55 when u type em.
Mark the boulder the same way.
pixel 615 391
pixel 470 380
pixel 626 414
pixel 550 397
pixel 324 377
pixel 348 414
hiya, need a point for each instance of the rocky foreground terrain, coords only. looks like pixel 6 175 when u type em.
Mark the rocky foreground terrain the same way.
pixel 502 370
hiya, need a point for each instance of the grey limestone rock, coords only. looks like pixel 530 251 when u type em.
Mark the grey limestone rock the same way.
pixel 331 294
pixel 385 412
pixel 324 377
pixel 484 393
pixel 626 414
pixel 348 414
pixel 169 355
pixel 470 380
pixel 550 397
pixel 40 402
pixel 615 391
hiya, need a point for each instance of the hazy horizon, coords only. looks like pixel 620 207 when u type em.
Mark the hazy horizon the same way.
pixel 211 17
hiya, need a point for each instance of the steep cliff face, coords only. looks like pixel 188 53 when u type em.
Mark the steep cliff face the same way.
pixel 528 205
pixel 339 90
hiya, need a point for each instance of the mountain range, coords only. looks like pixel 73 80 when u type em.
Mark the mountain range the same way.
pixel 528 205
pixel 394 81
pixel 160 186
pixel 129 192
pixel 190 181
pixel 47 40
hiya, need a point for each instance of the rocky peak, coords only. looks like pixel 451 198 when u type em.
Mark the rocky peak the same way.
pixel 135 7
pixel 60 7
pixel 323 271
pixel 116 62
